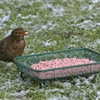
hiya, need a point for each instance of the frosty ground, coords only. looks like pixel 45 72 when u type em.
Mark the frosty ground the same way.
pixel 52 25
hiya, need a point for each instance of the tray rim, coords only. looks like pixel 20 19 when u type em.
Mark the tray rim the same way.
pixel 52 69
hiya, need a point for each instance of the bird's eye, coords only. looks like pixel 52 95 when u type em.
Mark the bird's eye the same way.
pixel 16 32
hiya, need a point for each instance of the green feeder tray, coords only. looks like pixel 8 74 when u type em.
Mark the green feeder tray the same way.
pixel 24 63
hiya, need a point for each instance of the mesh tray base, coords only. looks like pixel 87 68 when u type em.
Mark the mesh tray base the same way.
pixel 58 73
pixel 23 63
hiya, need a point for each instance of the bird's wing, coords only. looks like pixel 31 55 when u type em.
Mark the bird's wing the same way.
pixel 3 50
pixel 2 46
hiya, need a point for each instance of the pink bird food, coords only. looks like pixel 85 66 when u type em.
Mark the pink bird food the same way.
pixel 58 63
pixel 63 64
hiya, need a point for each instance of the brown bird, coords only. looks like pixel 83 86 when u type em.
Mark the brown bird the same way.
pixel 13 45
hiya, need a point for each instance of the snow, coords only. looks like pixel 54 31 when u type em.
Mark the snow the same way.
pixel 90 7
pixel 98 95
pixel 97 41
pixel 95 1
pixel 3 19
pixel 8 33
pixel 49 26
pixel 28 16
pixel 21 93
pixel 58 98
pixel 48 43
pixel 9 64
pixel 86 24
pixel 57 11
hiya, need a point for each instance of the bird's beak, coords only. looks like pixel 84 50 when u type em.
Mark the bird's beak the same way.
pixel 24 32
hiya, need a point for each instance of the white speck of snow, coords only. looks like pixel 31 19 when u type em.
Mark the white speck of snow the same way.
pixel 58 11
pixel 12 26
pixel 6 85
pixel 98 24
pixel 91 77
pixel 44 26
pixel 97 41
pixel 95 1
pixel 27 23
pixel 67 84
pixel 87 24
pixel 98 95
pixel 64 0
pixel 48 43
pixel 8 33
pixel 78 82
pixel 82 8
pixel 45 6
pixel 87 82
pixel 4 18
pixel 28 16
pixel 9 64
pixel 90 7
pixel 58 98
pixel 54 90
pixel 38 0
pixel 87 21
pixel 21 93
pixel 49 25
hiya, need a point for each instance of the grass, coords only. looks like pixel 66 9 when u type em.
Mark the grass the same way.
pixel 62 24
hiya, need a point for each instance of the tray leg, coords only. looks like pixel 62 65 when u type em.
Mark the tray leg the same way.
pixel 24 76
pixel 41 83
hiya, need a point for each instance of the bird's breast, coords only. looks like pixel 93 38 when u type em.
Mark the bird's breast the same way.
pixel 17 48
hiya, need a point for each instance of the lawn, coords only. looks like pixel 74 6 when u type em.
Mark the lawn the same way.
pixel 52 25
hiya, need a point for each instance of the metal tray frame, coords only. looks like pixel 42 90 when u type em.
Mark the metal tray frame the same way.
pixel 23 63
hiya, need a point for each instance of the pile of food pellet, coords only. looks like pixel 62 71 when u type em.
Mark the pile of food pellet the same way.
pixel 57 63
pixel 54 64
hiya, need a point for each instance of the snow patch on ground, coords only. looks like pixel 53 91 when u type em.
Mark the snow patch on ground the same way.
pixel 7 33
pixel 9 64
pixel 21 93
pixel 28 16
pixel 98 41
pixel 98 95
pixel 86 24
pixel 56 10
pixel 59 98
pixel 49 26
pixel 95 1
pixel 3 19
pixel 49 43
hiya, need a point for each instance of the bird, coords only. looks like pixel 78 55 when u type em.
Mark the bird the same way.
pixel 13 45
